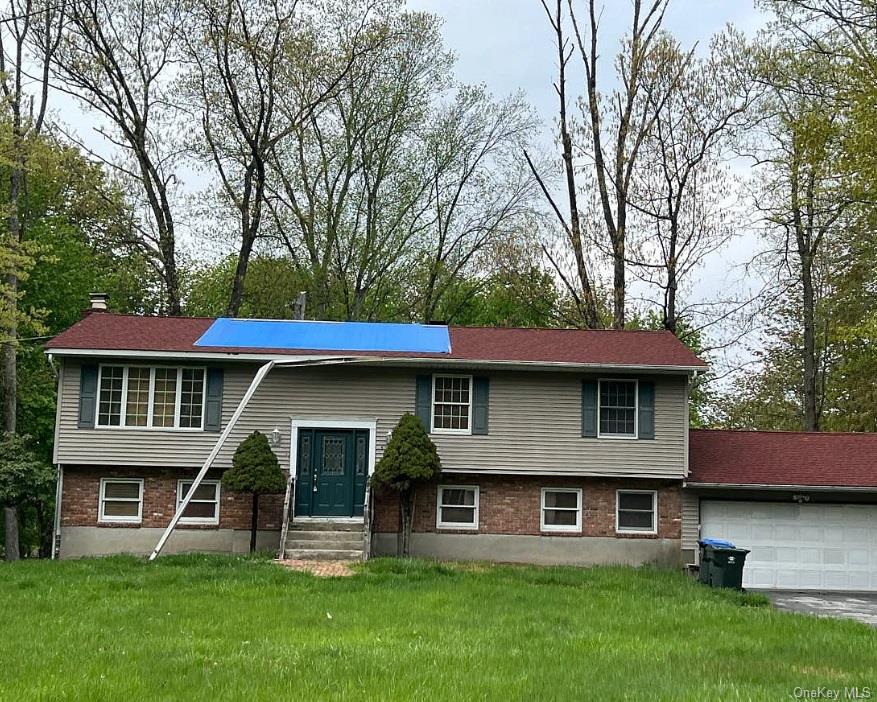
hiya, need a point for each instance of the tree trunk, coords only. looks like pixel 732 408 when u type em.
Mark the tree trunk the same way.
pixel 618 284
pixel 11 518
pixel 255 522
pixel 811 418
pixel 240 274
pixel 406 512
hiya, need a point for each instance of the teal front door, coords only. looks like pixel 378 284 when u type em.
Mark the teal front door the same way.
pixel 332 470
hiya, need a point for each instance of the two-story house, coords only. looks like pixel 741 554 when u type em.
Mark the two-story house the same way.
pixel 557 446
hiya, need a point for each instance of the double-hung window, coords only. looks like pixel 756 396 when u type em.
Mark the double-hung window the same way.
pixel 618 408
pixel 160 397
pixel 561 509
pixel 121 500
pixel 457 507
pixel 203 508
pixel 636 511
pixel 452 404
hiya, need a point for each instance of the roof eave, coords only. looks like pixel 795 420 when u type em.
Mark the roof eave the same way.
pixel 780 487
pixel 383 360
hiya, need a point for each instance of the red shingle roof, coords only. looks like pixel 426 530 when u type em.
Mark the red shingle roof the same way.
pixel 783 458
pixel 106 331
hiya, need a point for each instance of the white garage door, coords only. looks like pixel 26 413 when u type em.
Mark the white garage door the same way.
pixel 799 547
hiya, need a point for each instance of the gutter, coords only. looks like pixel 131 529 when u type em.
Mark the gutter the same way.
pixel 766 486
pixel 383 360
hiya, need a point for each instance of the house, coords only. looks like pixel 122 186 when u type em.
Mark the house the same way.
pixel 557 446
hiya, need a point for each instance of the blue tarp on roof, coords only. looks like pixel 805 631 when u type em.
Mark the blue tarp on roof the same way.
pixel 326 336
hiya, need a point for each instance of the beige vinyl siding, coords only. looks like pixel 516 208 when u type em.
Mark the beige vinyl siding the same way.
pixel 534 418
pixel 690 520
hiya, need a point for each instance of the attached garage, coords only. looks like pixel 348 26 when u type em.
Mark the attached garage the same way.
pixel 804 504
pixel 799 546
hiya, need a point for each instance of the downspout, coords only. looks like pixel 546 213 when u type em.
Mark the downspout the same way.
pixel 220 442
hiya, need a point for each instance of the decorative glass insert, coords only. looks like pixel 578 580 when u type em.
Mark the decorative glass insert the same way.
pixel 361 449
pixel 164 397
pixel 137 401
pixel 304 460
pixel 451 403
pixel 561 509
pixel 458 507
pixel 110 405
pixel 636 511
pixel 191 397
pixel 333 456
pixel 618 407
pixel 121 500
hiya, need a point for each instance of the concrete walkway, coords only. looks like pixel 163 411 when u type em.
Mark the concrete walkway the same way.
pixel 845 605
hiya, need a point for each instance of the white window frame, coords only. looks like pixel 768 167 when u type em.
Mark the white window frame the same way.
pixel 457 525
pixel 635 382
pixel 200 520
pixel 628 530
pixel 102 500
pixel 432 427
pixel 561 527
pixel 149 425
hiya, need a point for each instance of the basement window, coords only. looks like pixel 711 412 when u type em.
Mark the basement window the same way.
pixel 457 507
pixel 561 509
pixel 121 500
pixel 636 512
pixel 203 508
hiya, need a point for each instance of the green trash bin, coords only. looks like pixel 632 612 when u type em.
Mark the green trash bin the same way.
pixel 721 564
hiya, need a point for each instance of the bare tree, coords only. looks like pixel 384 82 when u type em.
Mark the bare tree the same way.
pixel 680 195
pixel 479 192
pixel 615 128
pixel 581 293
pixel 28 40
pixel 120 58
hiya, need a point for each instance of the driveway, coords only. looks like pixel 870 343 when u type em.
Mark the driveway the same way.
pixel 849 605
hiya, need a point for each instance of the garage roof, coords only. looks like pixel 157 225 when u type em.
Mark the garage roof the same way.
pixel 104 331
pixel 767 458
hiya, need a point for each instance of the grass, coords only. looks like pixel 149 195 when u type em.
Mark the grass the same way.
pixel 227 628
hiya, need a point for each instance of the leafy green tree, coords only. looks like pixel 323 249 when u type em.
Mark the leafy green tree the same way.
pixel 410 458
pixel 254 470
pixel 26 483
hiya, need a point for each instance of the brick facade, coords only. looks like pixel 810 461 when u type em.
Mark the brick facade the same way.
pixel 512 504
pixel 81 494
pixel 507 504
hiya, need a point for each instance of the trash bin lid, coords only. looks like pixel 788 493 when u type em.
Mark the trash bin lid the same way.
pixel 717 543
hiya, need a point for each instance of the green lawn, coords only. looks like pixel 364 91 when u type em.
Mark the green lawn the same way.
pixel 225 628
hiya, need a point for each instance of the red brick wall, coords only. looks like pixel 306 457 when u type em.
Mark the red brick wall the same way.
pixel 79 502
pixel 511 505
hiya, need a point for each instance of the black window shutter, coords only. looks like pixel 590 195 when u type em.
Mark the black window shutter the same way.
pixel 87 396
pixel 213 414
pixel 589 408
pixel 480 405
pixel 646 419
pixel 423 400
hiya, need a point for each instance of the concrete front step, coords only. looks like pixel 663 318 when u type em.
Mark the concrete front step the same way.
pixel 327 525
pixel 323 554
pixel 342 544
pixel 325 534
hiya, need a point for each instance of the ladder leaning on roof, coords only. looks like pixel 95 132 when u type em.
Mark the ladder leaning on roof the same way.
pixel 220 442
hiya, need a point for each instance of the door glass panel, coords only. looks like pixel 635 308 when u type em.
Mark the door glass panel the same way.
pixel 304 458
pixel 333 456
pixel 361 446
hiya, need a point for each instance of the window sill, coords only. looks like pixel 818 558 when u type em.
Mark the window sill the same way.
pixel 451 432
pixel 637 534
pixel 126 525
pixel 458 529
